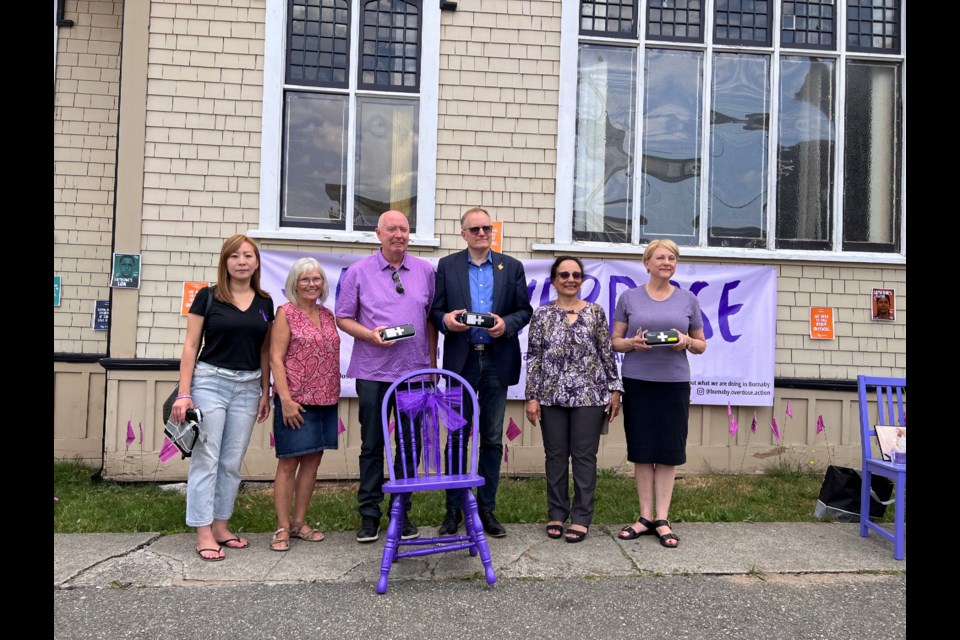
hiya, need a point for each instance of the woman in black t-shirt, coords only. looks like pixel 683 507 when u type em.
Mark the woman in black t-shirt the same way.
pixel 229 380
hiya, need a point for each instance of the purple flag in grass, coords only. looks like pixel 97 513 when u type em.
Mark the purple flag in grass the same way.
pixel 273 441
pixel 775 428
pixel 140 424
pixel 729 409
pixel 734 426
pixel 513 431
pixel 506 452
pixel 820 425
pixel 789 409
pixel 753 425
pixel 340 427
pixel 130 436
pixel 392 425
pixel 56 499
pixel 168 450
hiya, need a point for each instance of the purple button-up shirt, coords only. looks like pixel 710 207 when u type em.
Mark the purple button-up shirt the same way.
pixel 368 294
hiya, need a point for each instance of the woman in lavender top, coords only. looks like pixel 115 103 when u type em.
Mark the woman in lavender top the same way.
pixel 573 391
pixel 656 381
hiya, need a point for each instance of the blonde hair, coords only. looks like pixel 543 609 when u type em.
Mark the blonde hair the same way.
pixel 667 244
pixel 300 268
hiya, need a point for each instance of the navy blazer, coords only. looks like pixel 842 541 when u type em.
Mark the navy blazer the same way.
pixel 510 302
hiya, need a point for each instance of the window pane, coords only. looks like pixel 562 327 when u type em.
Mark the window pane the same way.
pixel 314 160
pixel 742 22
pixel 609 17
pixel 671 145
pixel 318 42
pixel 386 171
pixel 873 25
pixel 676 20
pixel 389 45
pixel 808 24
pixel 738 151
pixel 871 181
pixel 805 154
pixel 603 179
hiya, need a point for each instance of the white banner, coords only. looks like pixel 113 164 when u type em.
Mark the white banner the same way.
pixel 739 305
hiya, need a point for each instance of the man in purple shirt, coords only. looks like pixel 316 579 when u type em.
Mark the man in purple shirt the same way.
pixel 387 289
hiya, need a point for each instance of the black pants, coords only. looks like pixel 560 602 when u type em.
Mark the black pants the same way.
pixel 571 433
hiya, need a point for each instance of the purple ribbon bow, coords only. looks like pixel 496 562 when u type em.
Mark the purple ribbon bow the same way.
pixel 435 406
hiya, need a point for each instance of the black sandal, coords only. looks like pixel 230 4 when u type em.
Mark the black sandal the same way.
pixel 573 535
pixel 633 533
pixel 554 531
pixel 666 536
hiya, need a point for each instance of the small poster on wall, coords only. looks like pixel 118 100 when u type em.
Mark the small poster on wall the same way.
pixel 883 304
pixel 126 271
pixel 821 323
pixel 56 291
pixel 190 290
pixel 101 315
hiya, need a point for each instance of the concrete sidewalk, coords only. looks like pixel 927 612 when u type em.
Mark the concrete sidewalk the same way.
pixel 152 560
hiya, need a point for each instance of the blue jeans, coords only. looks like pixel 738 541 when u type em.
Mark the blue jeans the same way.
pixel 228 400
pixel 370 394
pixel 481 372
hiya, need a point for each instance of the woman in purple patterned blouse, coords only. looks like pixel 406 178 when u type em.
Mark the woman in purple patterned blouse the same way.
pixel 573 393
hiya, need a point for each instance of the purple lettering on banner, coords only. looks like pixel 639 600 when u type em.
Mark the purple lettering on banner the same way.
pixel 614 281
pixel 545 293
pixel 594 292
pixel 726 310
pixel 531 287
pixel 336 294
pixel 695 289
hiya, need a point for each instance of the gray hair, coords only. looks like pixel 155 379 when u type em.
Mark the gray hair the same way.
pixel 300 268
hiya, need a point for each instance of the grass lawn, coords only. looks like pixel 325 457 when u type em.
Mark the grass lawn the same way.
pixel 87 506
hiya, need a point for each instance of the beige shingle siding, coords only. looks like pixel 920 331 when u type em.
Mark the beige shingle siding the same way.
pixel 84 145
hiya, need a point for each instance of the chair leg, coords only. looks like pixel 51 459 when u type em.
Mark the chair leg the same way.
pixel 391 547
pixel 865 478
pixel 899 503
pixel 475 528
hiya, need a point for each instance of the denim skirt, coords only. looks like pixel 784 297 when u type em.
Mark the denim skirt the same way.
pixel 317 433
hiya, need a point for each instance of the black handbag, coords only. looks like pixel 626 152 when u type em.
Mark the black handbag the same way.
pixel 839 497
pixel 168 403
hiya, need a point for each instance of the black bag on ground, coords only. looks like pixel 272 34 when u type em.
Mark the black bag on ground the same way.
pixel 839 497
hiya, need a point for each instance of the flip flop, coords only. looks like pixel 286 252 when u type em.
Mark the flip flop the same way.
pixel 632 533
pixel 236 539
pixel 554 531
pixel 573 536
pixel 217 558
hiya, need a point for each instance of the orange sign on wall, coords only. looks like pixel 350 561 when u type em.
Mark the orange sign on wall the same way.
pixel 189 293
pixel 821 323
pixel 496 243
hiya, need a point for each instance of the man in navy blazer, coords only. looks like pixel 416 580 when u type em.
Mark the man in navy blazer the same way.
pixel 480 280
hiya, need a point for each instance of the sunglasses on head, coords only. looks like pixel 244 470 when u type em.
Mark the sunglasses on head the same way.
pixel 487 229
pixel 396 278
pixel 566 275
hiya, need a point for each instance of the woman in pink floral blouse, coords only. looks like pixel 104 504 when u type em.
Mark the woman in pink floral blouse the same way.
pixel 573 392
pixel 305 358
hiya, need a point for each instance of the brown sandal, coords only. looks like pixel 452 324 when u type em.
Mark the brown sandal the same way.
pixel 278 543
pixel 311 535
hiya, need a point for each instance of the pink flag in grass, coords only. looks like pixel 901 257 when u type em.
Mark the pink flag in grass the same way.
pixel 775 428
pixel 734 426
pixel 789 409
pixel 506 452
pixel 820 425
pixel 753 425
pixel 391 426
pixel 130 436
pixel 340 427
pixel 140 424
pixel 168 450
pixel 513 431
pixel 273 441
pixel 729 409
pixel 56 499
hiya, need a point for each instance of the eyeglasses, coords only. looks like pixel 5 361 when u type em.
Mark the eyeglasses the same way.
pixel 308 281
pixel 487 229
pixel 566 275
pixel 396 278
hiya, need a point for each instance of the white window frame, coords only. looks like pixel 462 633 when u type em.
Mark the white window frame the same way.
pixel 567 126
pixel 271 146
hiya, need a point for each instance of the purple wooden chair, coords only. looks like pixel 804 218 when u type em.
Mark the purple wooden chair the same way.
pixel 891 398
pixel 431 404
